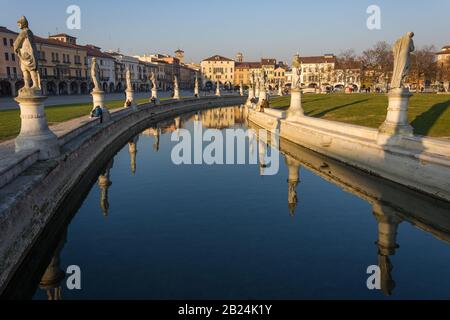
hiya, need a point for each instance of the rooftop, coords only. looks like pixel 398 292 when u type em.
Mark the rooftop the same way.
pixel 218 58
pixel 319 59
pixel 6 30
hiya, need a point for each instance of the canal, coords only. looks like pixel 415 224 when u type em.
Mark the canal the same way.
pixel 145 228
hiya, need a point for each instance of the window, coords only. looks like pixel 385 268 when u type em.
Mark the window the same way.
pixel 13 57
pixel 6 56
pixel 8 71
pixel 15 71
pixel 11 42
pixel 5 41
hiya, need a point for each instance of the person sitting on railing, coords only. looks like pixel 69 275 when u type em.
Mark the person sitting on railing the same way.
pixel 97 113
pixel 153 100
pixel 127 104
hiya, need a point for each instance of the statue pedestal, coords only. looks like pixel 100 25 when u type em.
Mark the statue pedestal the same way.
pixel 218 93
pixel 176 94
pixel 396 125
pixel 130 97
pixel 34 132
pixel 295 110
pixel 155 95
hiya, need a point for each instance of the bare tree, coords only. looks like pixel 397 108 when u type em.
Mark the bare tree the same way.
pixel 346 62
pixel 378 63
pixel 424 67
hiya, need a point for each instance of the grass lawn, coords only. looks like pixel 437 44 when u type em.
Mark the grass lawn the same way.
pixel 10 119
pixel 428 114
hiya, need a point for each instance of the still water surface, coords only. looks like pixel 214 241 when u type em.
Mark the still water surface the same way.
pixel 149 229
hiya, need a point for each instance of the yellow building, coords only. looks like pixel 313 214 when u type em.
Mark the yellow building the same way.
pixel 269 66
pixel 443 57
pixel 244 70
pixel 217 68
pixel 10 74
pixel 62 65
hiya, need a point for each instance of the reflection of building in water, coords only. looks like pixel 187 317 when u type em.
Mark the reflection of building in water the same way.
pixel 293 181
pixel 156 134
pixel 388 223
pixel 132 149
pixel 222 118
pixel 54 275
pixel 104 183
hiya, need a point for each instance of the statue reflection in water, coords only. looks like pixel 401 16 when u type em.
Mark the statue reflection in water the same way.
pixel 51 281
pixel 104 183
pixel 293 181
pixel 388 222
pixel 132 149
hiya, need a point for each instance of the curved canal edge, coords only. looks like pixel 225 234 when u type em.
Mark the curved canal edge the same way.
pixel 417 162
pixel 33 190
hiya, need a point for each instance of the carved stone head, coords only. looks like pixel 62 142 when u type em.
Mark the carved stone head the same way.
pixel 22 23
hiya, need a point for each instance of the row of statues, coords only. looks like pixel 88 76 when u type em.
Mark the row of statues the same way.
pixel 25 48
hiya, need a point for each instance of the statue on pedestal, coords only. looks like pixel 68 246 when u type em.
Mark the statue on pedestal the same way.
pixel 402 60
pixel 26 51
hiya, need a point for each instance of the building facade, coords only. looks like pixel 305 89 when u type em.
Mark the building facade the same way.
pixel 218 69
pixel 62 65
pixel 10 74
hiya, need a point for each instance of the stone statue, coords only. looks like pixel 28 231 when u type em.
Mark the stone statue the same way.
pixel 402 60
pixel 296 72
pixel 128 78
pixel 175 83
pixel 153 80
pixel 95 74
pixel 25 49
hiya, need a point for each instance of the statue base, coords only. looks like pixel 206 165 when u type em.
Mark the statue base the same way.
pixel 130 97
pixel 34 132
pixel 295 111
pixel 218 93
pixel 98 99
pixel 176 95
pixel 154 96
pixel 396 125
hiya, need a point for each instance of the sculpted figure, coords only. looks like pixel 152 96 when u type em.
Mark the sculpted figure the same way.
pixel 402 60
pixel 128 78
pixel 296 72
pixel 25 49
pixel 153 80
pixel 95 74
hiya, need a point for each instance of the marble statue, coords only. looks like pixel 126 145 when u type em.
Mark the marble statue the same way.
pixel 95 74
pixel 26 51
pixel 175 83
pixel 153 80
pixel 128 79
pixel 402 59
pixel 296 72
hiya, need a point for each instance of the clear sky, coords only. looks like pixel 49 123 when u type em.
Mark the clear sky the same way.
pixel 258 28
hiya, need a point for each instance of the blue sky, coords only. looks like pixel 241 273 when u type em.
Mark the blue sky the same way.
pixel 277 28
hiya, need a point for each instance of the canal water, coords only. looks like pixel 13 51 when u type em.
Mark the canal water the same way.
pixel 150 229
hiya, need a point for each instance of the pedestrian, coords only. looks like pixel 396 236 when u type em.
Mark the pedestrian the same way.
pixel 97 113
